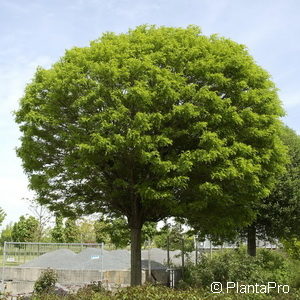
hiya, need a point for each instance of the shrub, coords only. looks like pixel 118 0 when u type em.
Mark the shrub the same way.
pixel 150 292
pixel 46 282
pixel 292 247
pixel 237 266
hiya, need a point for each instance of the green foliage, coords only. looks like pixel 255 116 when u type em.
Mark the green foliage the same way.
pixel 94 290
pixel 6 233
pixel 150 292
pixel 45 284
pixel 279 214
pixel 2 215
pixel 102 230
pixel 154 123
pixel 25 230
pixel 57 233
pixel 115 231
pixel 65 232
pixel 295 270
pixel 87 231
pixel 174 234
pixel 156 293
pixel 292 247
pixel 149 231
pixel 237 266
pixel 150 119
pixel 71 231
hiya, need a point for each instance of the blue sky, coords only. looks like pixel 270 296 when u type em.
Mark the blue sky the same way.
pixel 36 33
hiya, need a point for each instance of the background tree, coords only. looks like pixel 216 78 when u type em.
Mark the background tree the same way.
pixel 57 233
pixel 279 214
pixel 170 236
pixel 115 231
pixel 6 233
pixel 149 124
pixel 65 231
pixel 25 230
pixel 42 214
pixel 2 215
pixel 149 231
pixel 71 231
pixel 87 232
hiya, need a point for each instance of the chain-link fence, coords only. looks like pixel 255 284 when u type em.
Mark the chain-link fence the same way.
pixel 17 253
pixel 19 256
pixel 78 264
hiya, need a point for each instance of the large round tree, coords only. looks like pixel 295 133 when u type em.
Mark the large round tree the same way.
pixel 153 123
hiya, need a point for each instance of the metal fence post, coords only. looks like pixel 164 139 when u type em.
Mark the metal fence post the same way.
pixel 196 249
pixel 102 262
pixel 3 261
pixel 149 260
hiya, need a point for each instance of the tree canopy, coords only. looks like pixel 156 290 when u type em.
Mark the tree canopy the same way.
pixel 25 230
pixel 279 214
pixel 65 231
pixel 153 123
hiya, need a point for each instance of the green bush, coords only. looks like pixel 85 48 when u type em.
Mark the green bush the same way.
pixel 46 282
pixel 292 247
pixel 150 292
pixel 296 271
pixel 237 266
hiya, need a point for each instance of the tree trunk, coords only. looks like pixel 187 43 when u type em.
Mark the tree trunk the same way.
pixel 251 240
pixel 135 224
pixel 136 264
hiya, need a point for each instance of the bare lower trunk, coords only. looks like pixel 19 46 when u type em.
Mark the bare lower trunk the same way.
pixel 251 240
pixel 135 224
pixel 136 265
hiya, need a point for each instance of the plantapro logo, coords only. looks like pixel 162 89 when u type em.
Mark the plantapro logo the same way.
pixel 217 288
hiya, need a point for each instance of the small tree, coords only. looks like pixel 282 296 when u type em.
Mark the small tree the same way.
pixel 42 214
pixel 57 233
pixel 6 233
pixel 71 231
pixel 25 230
pixel 87 233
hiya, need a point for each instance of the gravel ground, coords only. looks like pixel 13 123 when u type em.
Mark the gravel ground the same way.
pixel 90 259
pixel 58 259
